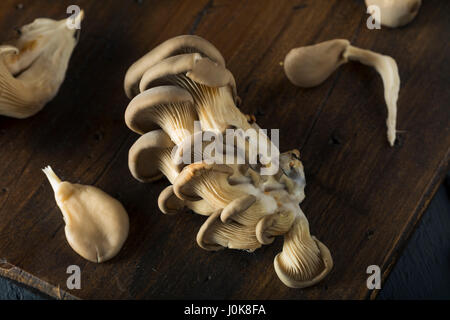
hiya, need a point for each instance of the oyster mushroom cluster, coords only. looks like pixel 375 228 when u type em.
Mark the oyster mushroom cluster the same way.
pixel 184 82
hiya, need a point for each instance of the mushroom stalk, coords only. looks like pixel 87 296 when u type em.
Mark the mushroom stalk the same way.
pixel 388 70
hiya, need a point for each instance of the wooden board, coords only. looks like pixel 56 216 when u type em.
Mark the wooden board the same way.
pixel 363 197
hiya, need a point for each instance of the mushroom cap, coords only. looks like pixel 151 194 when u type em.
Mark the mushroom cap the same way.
pixel 261 227
pixel 309 66
pixel 237 206
pixel 140 114
pixel 171 47
pixel 293 283
pixel 396 13
pixel 143 156
pixel 168 202
pixel 183 185
pixel 204 230
pixel 197 68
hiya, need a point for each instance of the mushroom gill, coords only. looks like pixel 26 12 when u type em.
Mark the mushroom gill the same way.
pixel 33 67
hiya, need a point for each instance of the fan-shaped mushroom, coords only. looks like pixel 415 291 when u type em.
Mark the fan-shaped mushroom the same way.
pixel 33 67
pixel 167 107
pixel 172 47
pixel 151 156
pixel 304 260
pixel 311 65
pixel 395 13
pixel 96 224
pixel 170 204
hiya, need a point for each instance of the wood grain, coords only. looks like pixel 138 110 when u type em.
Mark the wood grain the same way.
pixel 363 197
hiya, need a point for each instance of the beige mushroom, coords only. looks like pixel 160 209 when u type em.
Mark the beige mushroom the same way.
pixel 304 260
pixel 395 13
pixel 170 204
pixel 167 107
pixel 309 66
pixel 172 47
pixel 215 235
pixel 151 156
pixel 96 224
pixel 33 67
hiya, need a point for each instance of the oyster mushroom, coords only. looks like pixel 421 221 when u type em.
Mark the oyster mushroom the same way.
pixel 395 13
pixel 167 107
pixel 33 67
pixel 172 47
pixel 96 224
pixel 150 157
pixel 215 235
pixel 170 204
pixel 304 260
pixel 311 65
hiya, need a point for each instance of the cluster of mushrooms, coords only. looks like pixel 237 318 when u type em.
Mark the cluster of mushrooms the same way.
pixel 184 80
pixel 181 91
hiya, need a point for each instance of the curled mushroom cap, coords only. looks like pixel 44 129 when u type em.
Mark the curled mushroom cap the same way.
pixel 311 65
pixel 200 180
pixel 96 224
pixel 167 107
pixel 172 47
pixel 33 67
pixel 395 13
pixel 150 157
pixel 325 57
pixel 215 235
pixel 304 260
pixel 168 202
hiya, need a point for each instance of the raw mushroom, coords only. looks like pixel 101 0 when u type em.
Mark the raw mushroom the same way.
pixel 167 107
pixel 172 47
pixel 246 209
pixel 96 224
pixel 311 65
pixel 304 260
pixel 33 67
pixel 395 13
pixel 150 157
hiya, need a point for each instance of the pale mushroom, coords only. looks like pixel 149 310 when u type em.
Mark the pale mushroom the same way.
pixel 215 235
pixel 304 260
pixel 172 47
pixel 246 208
pixel 96 224
pixel 151 156
pixel 394 13
pixel 311 65
pixel 170 204
pixel 167 107
pixel 33 67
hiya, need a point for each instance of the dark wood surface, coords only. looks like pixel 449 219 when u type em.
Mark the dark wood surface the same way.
pixel 363 197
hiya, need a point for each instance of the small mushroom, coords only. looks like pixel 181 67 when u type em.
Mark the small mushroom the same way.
pixel 33 67
pixel 167 107
pixel 215 235
pixel 151 156
pixel 237 206
pixel 172 47
pixel 309 66
pixel 304 260
pixel 272 225
pixel 96 224
pixel 169 204
pixel 395 13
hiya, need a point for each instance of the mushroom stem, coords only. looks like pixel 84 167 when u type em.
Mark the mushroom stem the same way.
pixel 388 70
pixel 52 178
